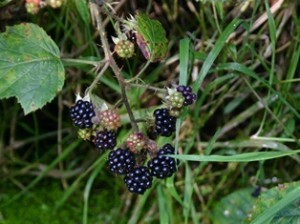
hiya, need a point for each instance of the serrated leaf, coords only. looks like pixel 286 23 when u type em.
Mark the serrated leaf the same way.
pixel 278 205
pixel 30 66
pixel 151 38
pixel 234 208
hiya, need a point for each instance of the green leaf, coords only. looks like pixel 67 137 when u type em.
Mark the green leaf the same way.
pixel 234 208
pixel 30 66
pixel 277 205
pixel 151 38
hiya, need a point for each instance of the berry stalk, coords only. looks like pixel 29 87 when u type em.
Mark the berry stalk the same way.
pixel 112 63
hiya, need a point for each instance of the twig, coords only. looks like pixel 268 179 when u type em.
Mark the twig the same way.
pixel 112 63
pixel 149 87
pixel 81 61
pixel 59 139
pixel 92 86
pixel 140 73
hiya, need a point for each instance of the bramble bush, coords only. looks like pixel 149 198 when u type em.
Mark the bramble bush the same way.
pixel 147 140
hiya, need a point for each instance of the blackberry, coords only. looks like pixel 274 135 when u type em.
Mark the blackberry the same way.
pixel 163 166
pixel 187 93
pixel 105 140
pixel 121 161
pixel 139 180
pixel 82 113
pixel 109 119
pixel 164 122
pixel 256 192
pixel 135 141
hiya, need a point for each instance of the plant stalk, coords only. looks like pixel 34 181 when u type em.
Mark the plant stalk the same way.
pixel 112 63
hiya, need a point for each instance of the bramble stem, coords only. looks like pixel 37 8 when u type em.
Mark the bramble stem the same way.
pixel 149 87
pixel 80 61
pixel 140 73
pixel 92 86
pixel 112 63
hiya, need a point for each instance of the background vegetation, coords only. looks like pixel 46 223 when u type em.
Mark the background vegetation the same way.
pixel 243 59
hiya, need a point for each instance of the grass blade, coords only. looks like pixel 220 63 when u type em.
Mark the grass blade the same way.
pixel 270 212
pixel 215 52
pixel 245 157
pixel 184 52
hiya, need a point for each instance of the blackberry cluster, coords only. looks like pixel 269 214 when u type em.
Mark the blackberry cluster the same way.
pixel 163 166
pixel 105 140
pixel 139 180
pixel 121 161
pixel 101 128
pixel 164 122
pixel 189 96
pixel 82 113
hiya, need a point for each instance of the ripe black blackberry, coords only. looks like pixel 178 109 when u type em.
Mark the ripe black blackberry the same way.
pixel 81 114
pixel 163 166
pixel 189 96
pixel 164 122
pixel 105 140
pixel 121 161
pixel 139 180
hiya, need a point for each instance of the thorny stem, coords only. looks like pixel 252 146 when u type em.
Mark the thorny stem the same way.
pixel 80 61
pixel 149 87
pixel 59 139
pixel 140 73
pixel 91 87
pixel 112 63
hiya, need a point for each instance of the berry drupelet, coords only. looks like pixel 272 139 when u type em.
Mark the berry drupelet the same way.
pixel 164 122
pixel 163 166
pixel 189 96
pixel 105 140
pixel 121 161
pixel 139 180
pixel 82 113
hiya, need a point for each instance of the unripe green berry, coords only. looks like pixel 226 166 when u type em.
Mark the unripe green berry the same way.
pixel 176 100
pixel 175 112
pixel 84 134
pixel 54 3
pixel 125 48
pixel 32 8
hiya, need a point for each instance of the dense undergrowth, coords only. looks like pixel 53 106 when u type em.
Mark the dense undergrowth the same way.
pixel 242 58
